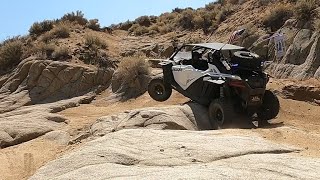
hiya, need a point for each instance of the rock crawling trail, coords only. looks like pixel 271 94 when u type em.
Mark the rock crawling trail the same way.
pixel 298 125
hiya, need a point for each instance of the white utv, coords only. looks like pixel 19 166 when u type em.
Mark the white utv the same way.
pixel 227 78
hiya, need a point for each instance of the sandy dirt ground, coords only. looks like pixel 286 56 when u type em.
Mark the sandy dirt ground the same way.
pixel 298 124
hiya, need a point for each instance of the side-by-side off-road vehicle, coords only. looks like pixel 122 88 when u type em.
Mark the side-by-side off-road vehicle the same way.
pixel 228 79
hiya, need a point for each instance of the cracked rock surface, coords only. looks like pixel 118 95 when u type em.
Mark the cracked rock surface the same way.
pixel 37 89
pixel 44 81
pixel 190 116
pixel 154 154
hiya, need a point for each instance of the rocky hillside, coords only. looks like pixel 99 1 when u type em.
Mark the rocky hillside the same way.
pixel 297 20
pixel 73 101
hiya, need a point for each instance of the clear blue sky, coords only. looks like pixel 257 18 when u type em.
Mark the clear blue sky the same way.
pixel 16 16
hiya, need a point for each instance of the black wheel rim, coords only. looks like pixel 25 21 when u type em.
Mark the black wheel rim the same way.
pixel 159 89
pixel 219 116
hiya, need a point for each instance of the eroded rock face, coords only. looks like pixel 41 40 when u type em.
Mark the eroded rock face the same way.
pixel 154 154
pixel 30 122
pixel 302 59
pixel 42 81
pixel 36 89
pixel 190 116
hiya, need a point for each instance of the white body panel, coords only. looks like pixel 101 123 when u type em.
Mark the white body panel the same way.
pixel 185 75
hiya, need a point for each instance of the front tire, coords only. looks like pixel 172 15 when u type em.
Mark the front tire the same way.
pixel 159 90
pixel 270 107
pixel 220 113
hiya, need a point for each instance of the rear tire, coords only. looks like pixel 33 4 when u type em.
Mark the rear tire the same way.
pixel 159 90
pixel 220 113
pixel 270 107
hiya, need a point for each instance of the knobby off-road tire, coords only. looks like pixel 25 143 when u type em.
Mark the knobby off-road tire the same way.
pixel 270 107
pixel 159 90
pixel 221 112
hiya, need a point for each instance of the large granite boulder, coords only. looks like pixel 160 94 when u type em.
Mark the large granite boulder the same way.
pixel 159 154
pixel 191 116
pixel 44 81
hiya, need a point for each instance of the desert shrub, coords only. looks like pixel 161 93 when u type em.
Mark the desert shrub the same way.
pixel 211 6
pixel 164 29
pixel 277 17
pixel 305 10
pixel 39 28
pixel 154 27
pixel 61 31
pixel 44 50
pixel 97 57
pixel 317 25
pixel 133 28
pixel 233 1
pixel 167 17
pixel 77 17
pixel 132 76
pixel 138 30
pixel 185 19
pixel 242 1
pixel 141 30
pixel 61 53
pixel 47 37
pixel 13 39
pixel 224 13
pixel 177 10
pixel 153 19
pixel 94 24
pixel 143 21
pixel 96 42
pixel 126 25
pixel 204 20
pixel 264 2
pixel 94 53
pixel 10 53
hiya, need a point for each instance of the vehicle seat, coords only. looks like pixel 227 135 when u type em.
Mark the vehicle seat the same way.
pixel 216 61
pixel 198 63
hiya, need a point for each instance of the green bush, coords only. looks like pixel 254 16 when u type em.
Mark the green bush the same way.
pixel 305 10
pixel 39 28
pixel 10 54
pixel 77 17
pixel 277 17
